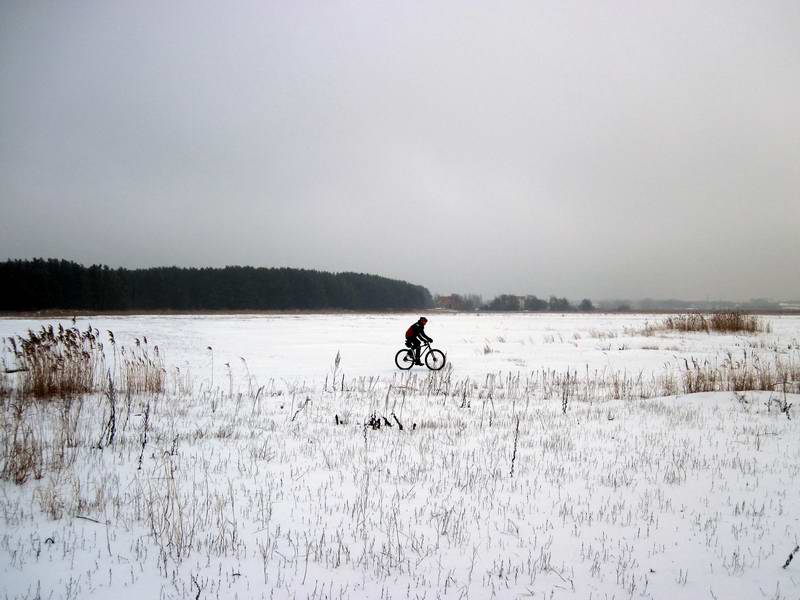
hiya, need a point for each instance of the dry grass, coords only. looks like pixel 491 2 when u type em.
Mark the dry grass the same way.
pixel 58 362
pixel 735 322
pixel 720 322
pixel 5 386
pixel 141 370
pixel 54 370
pixel 749 373
pixel 28 448
pixel 22 452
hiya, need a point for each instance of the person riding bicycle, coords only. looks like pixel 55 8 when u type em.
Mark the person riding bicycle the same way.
pixel 414 334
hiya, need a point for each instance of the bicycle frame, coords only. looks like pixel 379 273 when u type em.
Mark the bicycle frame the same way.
pixel 424 348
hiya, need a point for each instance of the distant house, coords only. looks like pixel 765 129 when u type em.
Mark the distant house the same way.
pixel 452 302
pixel 459 302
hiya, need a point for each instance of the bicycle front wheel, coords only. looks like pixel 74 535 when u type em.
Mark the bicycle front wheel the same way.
pixel 435 360
pixel 404 360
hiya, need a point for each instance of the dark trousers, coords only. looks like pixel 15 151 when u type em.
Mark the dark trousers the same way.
pixel 414 344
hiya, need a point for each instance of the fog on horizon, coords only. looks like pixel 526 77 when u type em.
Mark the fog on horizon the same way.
pixel 583 149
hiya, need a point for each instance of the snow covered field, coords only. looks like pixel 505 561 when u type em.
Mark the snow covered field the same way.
pixel 545 461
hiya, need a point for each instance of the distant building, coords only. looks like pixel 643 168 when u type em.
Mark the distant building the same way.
pixel 452 302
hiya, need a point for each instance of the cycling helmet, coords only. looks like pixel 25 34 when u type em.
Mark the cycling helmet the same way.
pixel 423 320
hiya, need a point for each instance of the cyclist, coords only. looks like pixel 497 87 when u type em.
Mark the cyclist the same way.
pixel 414 334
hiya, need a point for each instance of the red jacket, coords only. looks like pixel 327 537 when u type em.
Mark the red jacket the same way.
pixel 417 330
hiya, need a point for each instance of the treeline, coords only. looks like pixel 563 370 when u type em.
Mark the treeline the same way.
pixel 510 303
pixel 673 305
pixel 41 284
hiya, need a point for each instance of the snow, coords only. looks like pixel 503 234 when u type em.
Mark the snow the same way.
pixel 297 347
pixel 260 494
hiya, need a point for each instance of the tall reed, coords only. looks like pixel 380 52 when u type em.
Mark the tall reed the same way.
pixel 55 362
pixel 142 370
pixel 58 362
pixel 719 322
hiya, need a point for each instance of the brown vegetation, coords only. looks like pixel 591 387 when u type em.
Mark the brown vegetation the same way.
pixel 59 362
pixel 53 369
pixel 719 322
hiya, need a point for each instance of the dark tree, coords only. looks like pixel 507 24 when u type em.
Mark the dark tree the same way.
pixel 535 304
pixel 559 304
pixel 58 284
pixel 505 302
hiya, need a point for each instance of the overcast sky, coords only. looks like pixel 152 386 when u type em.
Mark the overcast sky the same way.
pixel 584 149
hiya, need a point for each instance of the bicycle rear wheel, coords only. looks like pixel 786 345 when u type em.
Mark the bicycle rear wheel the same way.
pixel 403 359
pixel 435 360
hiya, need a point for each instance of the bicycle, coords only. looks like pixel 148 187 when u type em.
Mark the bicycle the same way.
pixel 433 359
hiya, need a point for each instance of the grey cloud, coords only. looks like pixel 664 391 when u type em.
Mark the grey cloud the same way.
pixel 577 148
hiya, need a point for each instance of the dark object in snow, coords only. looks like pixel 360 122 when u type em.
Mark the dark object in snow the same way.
pixel 791 556
pixel 376 421
pixel 399 424
pixel 514 455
